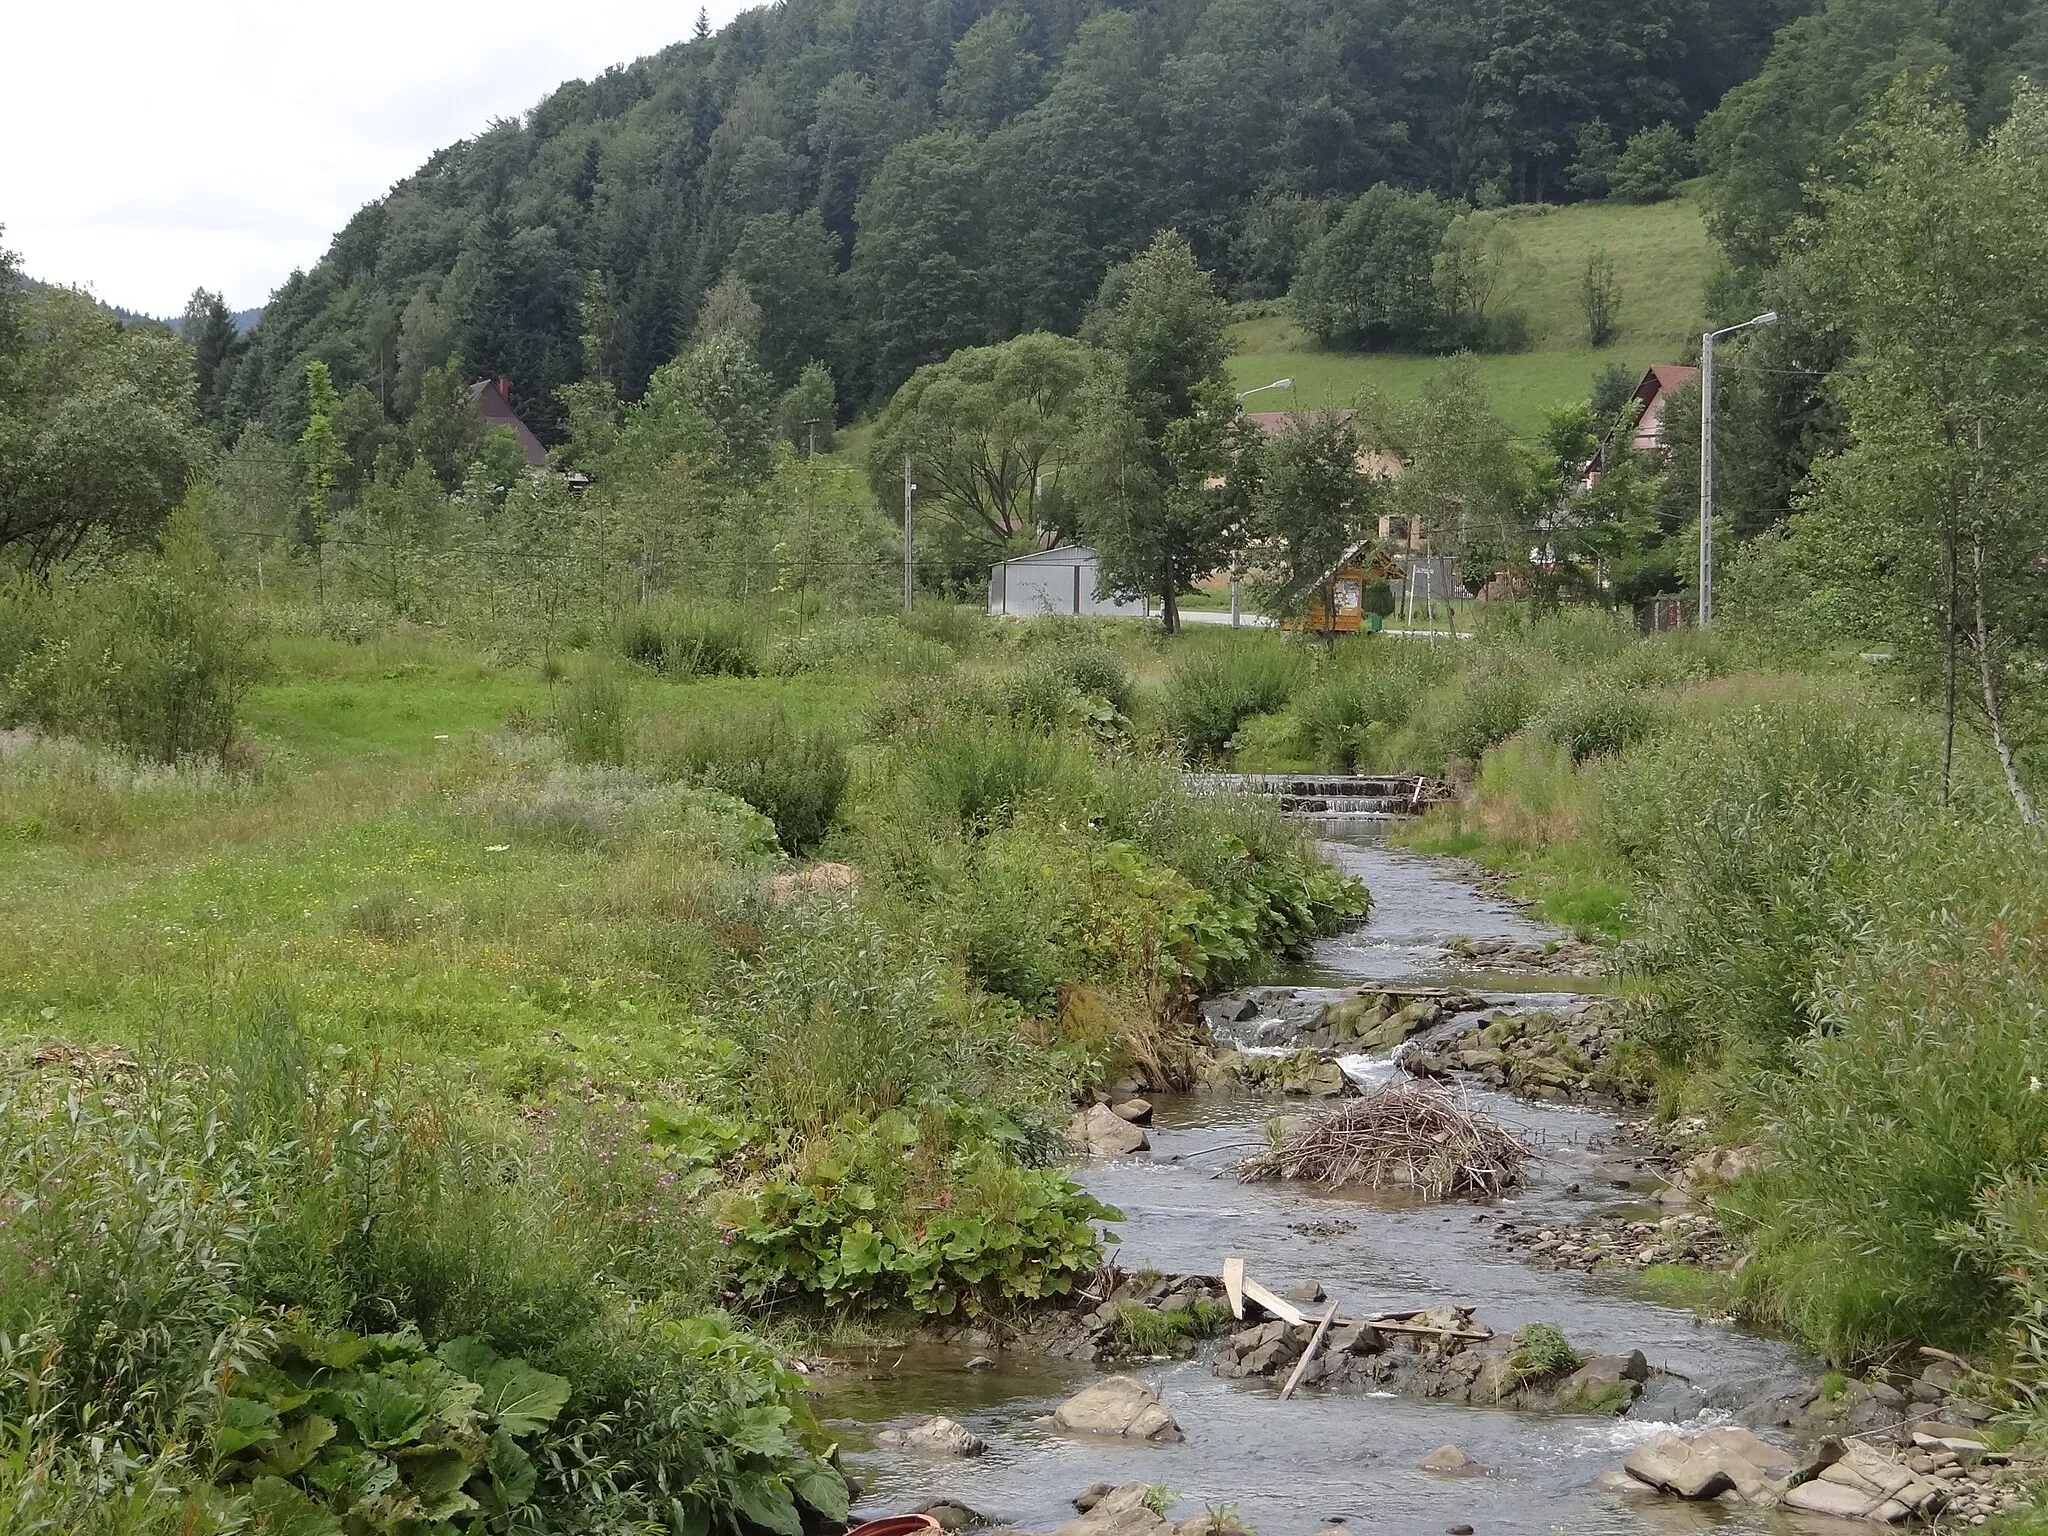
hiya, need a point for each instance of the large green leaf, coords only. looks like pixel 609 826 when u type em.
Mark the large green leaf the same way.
pixel 512 1471
pixel 822 1488
pixel 298 1445
pixel 760 1429
pixel 468 1357
pixel 244 1422
pixel 767 1502
pixel 521 1398
pixel 384 1414
pixel 436 1480
pixel 279 1509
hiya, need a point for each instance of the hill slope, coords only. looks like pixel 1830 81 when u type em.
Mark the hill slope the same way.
pixel 895 181
pixel 1661 254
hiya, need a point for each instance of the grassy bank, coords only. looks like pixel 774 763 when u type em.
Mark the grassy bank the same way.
pixel 571 1020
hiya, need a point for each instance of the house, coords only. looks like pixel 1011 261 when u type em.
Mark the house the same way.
pixel 1653 394
pixel 493 398
pixel 1061 580
pixel 1361 565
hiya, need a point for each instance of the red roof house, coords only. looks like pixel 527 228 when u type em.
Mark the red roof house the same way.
pixel 1654 393
pixel 493 397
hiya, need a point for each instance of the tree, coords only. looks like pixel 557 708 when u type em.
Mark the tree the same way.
pixel 994 74
pixel 1477 262
pixel 728 310
pixel 97 427
pixel 1369 281
pixel 1313 505
pixel 808 411
pixel 990 432
pixel 789 264
pixel 1936 253
pixel 1599 297
pixel 1652 165
pixel 321 452
pixel 208 328
pixel 1163 504
pixel 916 265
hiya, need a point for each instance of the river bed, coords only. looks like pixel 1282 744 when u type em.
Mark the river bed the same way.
pixel 1293 1468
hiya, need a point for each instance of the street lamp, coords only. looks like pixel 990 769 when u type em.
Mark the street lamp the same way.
pixel 1707 341
pixel 1236 605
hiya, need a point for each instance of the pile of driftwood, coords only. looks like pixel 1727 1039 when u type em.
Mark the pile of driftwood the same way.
pixel 1398 1138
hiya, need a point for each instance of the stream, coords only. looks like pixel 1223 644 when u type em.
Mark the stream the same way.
pixel 1294 1468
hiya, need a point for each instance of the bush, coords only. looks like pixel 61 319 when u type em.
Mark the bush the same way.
pixel 683 640
pixel 1211 694
pixel 179 1244
pixel 1597 719
pixel 977 776
pixel 150 658
pixel 1651 166
pixel 594 716
pixel 1350 713
pixel 1082 687
pixel 1489 704
pixel 794 778
pixel 873 644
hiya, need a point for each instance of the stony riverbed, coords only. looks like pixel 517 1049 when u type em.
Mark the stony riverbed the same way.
pixel 1350 1451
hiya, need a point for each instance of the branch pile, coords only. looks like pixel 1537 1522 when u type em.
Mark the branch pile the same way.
pixel 1398 1138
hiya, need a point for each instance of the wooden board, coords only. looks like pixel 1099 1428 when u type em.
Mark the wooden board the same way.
pixel 1286 1311
pixel 1233 1285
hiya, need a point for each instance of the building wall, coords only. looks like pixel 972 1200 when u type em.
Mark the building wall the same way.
pixel 1034 586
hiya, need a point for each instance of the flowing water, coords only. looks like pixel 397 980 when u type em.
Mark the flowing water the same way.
pixel 1292 1468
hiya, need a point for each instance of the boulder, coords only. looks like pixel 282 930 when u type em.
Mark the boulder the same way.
pixel 1822 1497
pixel 1758 1452
pixel 1136 1111
pixel 1316 1080
pixel 1099 1132
pixel 1615 1480
pixel 1449 1459
pixel 1604 1384
pixel 936 1436
pixel 1119 1512
pixel 1678 1466
pixel 1118 1406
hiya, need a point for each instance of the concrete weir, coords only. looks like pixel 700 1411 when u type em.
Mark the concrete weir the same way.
pixel 1377 797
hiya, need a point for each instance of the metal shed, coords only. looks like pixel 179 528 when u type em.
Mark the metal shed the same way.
pixel 1059 580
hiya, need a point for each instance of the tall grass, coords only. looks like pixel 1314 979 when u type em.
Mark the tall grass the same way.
pixel 1215 691
pixel 794 777
pixel 682 639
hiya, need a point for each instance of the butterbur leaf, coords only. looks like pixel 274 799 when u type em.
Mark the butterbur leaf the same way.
pixel 244 1422
pixel 436 1480
pixel 384 1413
pixel 282 1510
pixel 296 1447
pixel 512 1471
pixel 768 1503
pixel 336 1351
pixel 760 1429
pixel 820 1487
pixel 468 1357
pixel 520 1398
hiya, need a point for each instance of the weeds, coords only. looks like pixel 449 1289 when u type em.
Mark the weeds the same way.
pixel 1541 1353
pixel 1214 692
pixel 594 715
pixel 795 778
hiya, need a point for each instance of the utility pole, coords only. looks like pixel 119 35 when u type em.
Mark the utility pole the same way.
pixel 909 521
pixel 811 422
pixel 1707 340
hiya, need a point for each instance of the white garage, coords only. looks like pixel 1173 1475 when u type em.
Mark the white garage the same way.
pixel 1059 580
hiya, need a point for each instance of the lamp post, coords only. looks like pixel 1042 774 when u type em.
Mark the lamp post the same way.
pixel 1706 615
pixel 1236 606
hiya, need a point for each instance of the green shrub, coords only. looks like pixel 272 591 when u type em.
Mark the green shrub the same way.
pixel 871 644
pixel 977 776
pixel 1597 719
pixel 957 626
pixel 1754 831
pixel 849 1229
pixel 795 778
pixel 1489 704
pixel 1214 692
pixel 1351 712
pixel 150 657
pixel 688 640
pixel 594 715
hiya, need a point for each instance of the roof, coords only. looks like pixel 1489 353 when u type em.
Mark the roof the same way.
pixel 1662 378
pixel 493 398
pixel 1062 554
pixel 1273 423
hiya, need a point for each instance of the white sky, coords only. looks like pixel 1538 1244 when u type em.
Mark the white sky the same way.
pixel 151 148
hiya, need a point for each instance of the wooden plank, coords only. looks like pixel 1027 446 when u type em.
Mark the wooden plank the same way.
pixel 1286 1311
pixel 1233 1285
pixel 1315 1343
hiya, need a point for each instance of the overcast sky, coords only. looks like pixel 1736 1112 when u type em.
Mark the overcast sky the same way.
pixel 151 148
